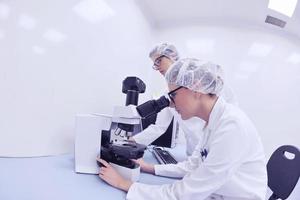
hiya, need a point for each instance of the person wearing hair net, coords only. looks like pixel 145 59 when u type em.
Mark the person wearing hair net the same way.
pixel 163 56
pixel 229 162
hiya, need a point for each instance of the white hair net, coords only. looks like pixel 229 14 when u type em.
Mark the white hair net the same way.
pixel 196 75
pixel 164 49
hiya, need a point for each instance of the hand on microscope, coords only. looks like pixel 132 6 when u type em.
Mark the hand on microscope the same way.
pixel 145 167
pixel 112 177
pixel 131 139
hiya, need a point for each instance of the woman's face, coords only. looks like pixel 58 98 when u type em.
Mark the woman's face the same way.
pixel 162 64
pixel 183 100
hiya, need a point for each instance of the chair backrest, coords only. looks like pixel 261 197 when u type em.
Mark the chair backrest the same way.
pixel 283 172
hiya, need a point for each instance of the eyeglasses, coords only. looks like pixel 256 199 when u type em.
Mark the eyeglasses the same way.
pixel 172 93
pixel 157 62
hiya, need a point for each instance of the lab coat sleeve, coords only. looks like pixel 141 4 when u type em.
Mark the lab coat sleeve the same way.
pixel 180 169
pixel 153 131
pixel 223 159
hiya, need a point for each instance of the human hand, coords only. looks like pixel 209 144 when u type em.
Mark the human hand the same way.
pixel 145 167
pixel 112 177
pixel 131 139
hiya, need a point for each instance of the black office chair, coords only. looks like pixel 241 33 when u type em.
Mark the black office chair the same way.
pixel 283 172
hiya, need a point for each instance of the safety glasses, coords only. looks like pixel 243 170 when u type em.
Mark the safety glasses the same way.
pixel 172 93
pixel 157 62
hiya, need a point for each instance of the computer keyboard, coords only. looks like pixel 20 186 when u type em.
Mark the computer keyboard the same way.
pixel 163 156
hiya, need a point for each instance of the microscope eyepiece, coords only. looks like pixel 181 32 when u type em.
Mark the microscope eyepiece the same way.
pixel 153 107
pixel 132 87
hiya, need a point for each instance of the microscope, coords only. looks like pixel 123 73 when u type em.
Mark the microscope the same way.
pixel 108 136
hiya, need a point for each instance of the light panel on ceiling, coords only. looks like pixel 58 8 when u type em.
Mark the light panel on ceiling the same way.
pixel 294 58
pixel 4 11
pixel 54 35
pixel 93 10
pixel 286 7
pixel 259 49
pixel 27 22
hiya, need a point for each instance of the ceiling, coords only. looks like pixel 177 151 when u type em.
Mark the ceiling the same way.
pixel 167 13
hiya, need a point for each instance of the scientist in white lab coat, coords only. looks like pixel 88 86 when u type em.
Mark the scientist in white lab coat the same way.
pixel 163 56
pixel 228 163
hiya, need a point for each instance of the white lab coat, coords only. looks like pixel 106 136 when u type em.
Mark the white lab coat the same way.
pixel 233 168
pixel 190 127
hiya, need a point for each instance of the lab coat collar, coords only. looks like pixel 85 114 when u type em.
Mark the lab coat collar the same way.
pixel 216 113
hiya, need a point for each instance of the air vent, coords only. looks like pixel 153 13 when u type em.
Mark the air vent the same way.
pixel 275 21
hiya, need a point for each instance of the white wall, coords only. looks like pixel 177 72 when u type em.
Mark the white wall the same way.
pixel 261 65
pixel 56 63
